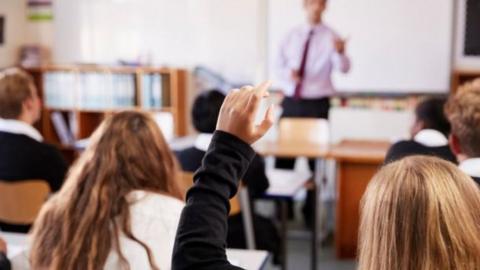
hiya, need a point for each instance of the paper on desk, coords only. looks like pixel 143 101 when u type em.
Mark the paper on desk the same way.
pixel 286 182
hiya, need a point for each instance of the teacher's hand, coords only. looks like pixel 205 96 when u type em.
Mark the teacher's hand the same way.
pixel 340 45
pixel 237 115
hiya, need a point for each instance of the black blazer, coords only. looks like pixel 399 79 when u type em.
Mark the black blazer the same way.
pixel 22 158
pixel 255 178
pixel 408 148
pixel 201 235
pixel 4 262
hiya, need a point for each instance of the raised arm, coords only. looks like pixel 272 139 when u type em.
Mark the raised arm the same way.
pixel 201 237
pixel 340 59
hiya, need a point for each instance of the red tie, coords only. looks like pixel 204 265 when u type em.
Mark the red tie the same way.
pixel 301 71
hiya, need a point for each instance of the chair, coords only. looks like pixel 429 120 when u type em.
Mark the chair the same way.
pixel 240 203
pixel 20 202
pixel 299 130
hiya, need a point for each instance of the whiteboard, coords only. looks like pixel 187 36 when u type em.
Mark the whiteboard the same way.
pixel 396 46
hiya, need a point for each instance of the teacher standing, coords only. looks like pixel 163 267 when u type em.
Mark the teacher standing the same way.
pixel 308 55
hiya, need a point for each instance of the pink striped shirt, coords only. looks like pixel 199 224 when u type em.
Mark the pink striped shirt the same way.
pixel 322 59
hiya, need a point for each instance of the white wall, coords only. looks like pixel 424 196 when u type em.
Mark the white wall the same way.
pixel 223 34
pixel 15 23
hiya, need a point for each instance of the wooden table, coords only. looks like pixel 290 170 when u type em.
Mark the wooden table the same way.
pixel 357 162
pixel 294 150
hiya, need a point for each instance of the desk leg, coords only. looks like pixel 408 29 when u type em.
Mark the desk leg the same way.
pixel 318 177
pixel 283 232
pixel 314 229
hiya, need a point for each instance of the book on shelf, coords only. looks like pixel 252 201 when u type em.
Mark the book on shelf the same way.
pixel 89 90
pixel 152 92
pixel 62 129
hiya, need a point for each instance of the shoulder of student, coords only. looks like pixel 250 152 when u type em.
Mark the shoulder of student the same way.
pixel 154 205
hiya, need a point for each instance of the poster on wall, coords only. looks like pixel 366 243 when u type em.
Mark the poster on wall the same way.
pixel 2 30
pixel 40 10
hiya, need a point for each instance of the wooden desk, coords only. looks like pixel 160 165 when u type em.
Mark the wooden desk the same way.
pixel 291 150
pixel 294 150
pixel 357 162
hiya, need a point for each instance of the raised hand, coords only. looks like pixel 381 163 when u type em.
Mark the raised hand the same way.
pixel 237 115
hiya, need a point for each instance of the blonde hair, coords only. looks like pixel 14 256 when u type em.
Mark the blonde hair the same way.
pixel 81 225
pixel 463 113
pixel 16 86
pixel 420 213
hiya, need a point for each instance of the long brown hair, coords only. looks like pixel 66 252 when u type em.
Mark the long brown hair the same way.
pixel 79 226
pixel 420 213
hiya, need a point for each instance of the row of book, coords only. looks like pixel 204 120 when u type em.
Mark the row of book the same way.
pixel 66 127
pixel 153 94
pixel 101 90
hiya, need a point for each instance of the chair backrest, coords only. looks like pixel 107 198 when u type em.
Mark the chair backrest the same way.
pixel 187 183
pixel 20 202
pixel 298 130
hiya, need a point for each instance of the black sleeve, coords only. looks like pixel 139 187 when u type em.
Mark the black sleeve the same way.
pixel 397 151
pixel 4 262
pixel 255 178
pixel 55 168
pixel 201 236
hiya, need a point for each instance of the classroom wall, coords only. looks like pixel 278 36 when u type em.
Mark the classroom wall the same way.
pixel 222 34
pixel 15 25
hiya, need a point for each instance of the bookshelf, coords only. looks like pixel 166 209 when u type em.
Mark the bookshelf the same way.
pixel 84 95
pixel 459 77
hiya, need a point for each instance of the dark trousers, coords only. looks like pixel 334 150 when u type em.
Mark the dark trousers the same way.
pixel 303 108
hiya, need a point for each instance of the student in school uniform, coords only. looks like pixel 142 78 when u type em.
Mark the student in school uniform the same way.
pixel 23 154
pixel 4 262
pixel 120 205
pixel 205 110
pixel 463 112
pixel 201 237
pixel 420 212
pixel 429 132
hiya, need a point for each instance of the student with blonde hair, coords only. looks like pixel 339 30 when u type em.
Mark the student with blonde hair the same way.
pixel 420 213
pixel 463 112
pixel 120 205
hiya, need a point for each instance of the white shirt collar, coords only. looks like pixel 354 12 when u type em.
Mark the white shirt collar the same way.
pixel 431 138
pixel 203 141
pixel 471 167
pixel 20 128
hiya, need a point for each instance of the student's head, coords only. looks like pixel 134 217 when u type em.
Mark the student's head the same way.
pixel 430 114
pixel 314 9
pixel 80 225
pixel 206 108
pixel 463 112
pixel 420 213
pixel 18 96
